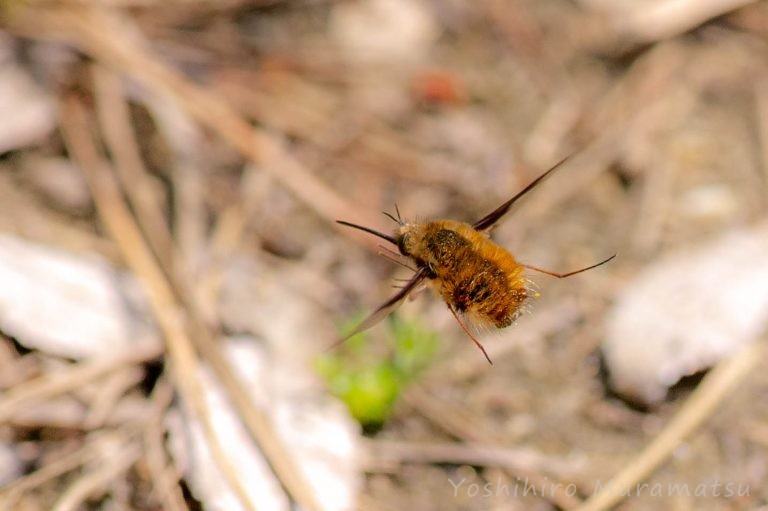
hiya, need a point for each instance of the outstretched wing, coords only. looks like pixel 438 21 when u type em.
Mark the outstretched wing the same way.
pixel 491 218
pixel 387 307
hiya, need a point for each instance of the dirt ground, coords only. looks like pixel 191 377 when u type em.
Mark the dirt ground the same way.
pixel 207 148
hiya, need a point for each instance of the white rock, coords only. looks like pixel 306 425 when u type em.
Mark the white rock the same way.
pixel 686 312
pixel 65 304
pixel 27 112
pixel 709 202
pixel 58 180
pixel 383 30
pixel 316 430
pixel 10 465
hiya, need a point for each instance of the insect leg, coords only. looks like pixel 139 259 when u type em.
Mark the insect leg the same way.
pixel 466 330
pixel 395 257
pixel 417 291
pixel 563 275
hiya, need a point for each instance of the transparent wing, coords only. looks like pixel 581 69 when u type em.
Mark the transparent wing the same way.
pixel 494 216
pixel 387 307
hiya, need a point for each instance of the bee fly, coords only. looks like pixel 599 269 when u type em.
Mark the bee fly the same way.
pixel 478 279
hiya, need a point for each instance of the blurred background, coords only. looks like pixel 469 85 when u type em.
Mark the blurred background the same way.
pixel 171 273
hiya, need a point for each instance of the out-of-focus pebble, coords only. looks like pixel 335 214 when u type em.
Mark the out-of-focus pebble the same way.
pixel 709 202
pixel 380 31
pixel 687 311
pixel 74 306
pixel 27 112
pixel 59 181
pixel 10 465
pixel 316 429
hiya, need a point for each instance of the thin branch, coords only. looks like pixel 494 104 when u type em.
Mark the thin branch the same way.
pixel 117 218
pixel 95 482
pixel 388 452
pixel 53 384
pixel 761 112
pixel 114 119
pixel 115 44
pixel 10 494
pixel 165 476
pixel 109 394
pixel 112 39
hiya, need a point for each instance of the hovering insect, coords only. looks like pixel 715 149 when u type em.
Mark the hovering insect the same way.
pixel 478 279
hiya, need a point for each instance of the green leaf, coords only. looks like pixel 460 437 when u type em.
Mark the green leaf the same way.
pixel 414 346
pixel 368 382
pixel 372 393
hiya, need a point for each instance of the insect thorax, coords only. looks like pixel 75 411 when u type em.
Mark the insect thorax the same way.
pixel 472 274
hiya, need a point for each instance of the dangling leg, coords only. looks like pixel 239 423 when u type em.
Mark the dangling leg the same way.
pixel 395 257
pixel 563 275
pixel 417 291
pixel 466 330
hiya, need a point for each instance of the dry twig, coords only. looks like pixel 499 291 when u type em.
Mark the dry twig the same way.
pixel 761 110
pixel 384 453
pixel 118 220
pixel 10 494
pixel 112 39
pixel 130 57
pixel 115 121
pixel 109 394
pixel 164 475
pixel 113 464
pixel 53 384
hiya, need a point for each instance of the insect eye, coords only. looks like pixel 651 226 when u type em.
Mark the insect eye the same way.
pixel 402 242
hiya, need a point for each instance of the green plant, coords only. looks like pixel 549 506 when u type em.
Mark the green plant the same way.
pixel 369 381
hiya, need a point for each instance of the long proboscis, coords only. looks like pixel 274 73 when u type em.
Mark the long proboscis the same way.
pixel 381 235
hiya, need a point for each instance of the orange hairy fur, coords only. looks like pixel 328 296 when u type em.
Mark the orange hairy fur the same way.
pixel 472 274
pixel 475 277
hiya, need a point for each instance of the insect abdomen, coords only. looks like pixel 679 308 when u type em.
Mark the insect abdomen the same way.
pixel 474 275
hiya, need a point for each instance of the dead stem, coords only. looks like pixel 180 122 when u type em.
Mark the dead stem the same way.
pixel 164 474
pixel 113 464
pixel 114 119
pixel 384 454
pixel 112 38
pixel 49 385
pixel 114 213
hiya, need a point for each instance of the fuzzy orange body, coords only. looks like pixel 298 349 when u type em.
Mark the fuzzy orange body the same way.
pixel 473 275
